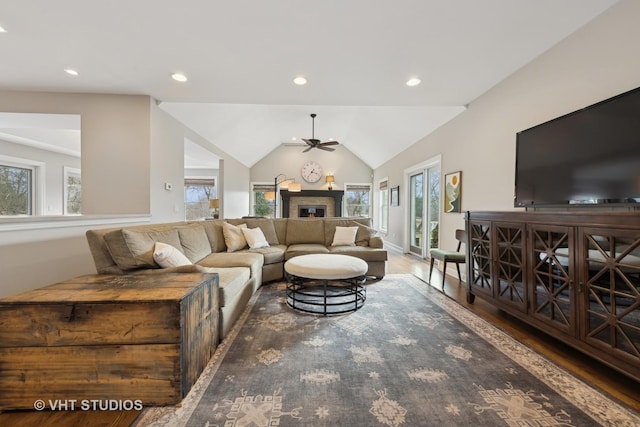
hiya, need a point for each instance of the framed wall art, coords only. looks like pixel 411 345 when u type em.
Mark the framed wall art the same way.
pixel 452 186
pixel 395 196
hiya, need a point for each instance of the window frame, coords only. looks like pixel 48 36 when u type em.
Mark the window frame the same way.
pixel 261 187
pixel 37 168
pixel 369 187
pixel 202 180
pixel 68 171
pixel 383 204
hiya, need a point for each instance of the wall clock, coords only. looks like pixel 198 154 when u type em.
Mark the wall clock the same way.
pixel 311 171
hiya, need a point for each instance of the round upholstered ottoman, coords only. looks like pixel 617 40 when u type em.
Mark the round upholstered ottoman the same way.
pixel 326 283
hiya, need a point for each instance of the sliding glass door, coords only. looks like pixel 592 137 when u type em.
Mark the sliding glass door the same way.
pixel 424 208
pixel 416 209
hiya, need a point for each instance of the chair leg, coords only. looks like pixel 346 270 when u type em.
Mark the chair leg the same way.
pixel 459 276
pixel 431 269
pixel 444 273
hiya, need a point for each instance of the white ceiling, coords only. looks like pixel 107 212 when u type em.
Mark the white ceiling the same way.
pixel 241 56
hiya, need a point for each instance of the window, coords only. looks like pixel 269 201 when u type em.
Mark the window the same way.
pixel 72 191
pixel 197 195
pixel 19 186
pixel 384 205
pixel 357 199
pixel 263 200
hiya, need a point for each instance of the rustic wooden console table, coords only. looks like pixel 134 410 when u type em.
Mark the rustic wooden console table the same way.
pixel 142 338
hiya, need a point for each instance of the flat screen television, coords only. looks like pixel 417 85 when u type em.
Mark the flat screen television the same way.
pixel 589 156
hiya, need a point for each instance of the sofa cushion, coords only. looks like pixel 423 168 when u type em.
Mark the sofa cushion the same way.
pixel 363 252
pixel 305 249
pixel 215 235
pixel 141 243
pixel 131 249
pixel 255 238
pixel 280 225
pixel 235 259
pixel 330 225
pixel 305 231
pixel 345 236
pixel 232 281
pixel 167 256
pixel 233 237
pixel 194 241
pixel 271 254
pixel 267 227
pixel 364 234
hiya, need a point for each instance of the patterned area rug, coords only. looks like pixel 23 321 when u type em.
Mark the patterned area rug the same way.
pixel 410 357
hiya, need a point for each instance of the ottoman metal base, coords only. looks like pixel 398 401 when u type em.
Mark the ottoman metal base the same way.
pixel 326 297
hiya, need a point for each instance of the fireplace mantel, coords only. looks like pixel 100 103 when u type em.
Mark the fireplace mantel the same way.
pixel 286 195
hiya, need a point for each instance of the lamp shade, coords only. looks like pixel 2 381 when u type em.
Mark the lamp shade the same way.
pixel 270 195
pixel 295 187
pixel 284 184
pixel 329 179
pixel 214 203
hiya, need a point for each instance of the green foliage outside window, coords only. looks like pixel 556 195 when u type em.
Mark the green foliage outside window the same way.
pixel 74 194
pixel 15 191
pixel 263 207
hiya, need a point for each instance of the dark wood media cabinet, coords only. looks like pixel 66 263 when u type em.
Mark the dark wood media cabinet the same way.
pixel 573 275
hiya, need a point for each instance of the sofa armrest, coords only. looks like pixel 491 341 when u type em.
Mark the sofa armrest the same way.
pixel 376 242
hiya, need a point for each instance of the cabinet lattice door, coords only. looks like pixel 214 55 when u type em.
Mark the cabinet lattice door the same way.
pixel 552 276
pixel 509 264
pixel 612 289
pixel 479 235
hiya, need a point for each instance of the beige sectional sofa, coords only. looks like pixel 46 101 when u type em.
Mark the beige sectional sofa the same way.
pixel 210 246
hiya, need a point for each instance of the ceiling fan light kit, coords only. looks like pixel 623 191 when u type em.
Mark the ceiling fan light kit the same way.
pixel 315 143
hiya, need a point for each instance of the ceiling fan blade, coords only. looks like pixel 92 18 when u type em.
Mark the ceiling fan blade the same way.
pixel 308 148
pixel 309 141
pixel 325 148
pixel 330 143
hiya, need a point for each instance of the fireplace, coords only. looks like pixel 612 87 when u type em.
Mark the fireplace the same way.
pixel 312 211
pixel 329 200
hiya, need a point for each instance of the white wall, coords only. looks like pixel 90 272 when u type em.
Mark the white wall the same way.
pixel 167 167
pixel 595 63
pixel 288 160
pixel 115 145
pixel 130 148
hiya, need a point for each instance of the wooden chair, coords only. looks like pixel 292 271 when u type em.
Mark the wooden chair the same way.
pixel 449 256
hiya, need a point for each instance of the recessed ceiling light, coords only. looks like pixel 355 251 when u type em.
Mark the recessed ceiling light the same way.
pixel 414 81
pixel 179 77
pixel 300 81
pixel 293 138
pixel 71 71
pixel 2 30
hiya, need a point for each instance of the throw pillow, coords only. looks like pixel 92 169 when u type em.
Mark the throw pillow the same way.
pixel 345 236
pixel 364 234
pixel 233 237
pixel 168 256
pixel 255 238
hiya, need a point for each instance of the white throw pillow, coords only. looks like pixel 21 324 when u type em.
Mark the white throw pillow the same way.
pixel 345 236
pixel 233 237
pixel 255 238
pixel 168 256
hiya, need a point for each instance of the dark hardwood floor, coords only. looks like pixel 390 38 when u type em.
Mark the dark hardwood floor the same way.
pixel 618 386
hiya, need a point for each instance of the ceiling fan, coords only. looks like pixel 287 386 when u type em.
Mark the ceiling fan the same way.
pixel 315 143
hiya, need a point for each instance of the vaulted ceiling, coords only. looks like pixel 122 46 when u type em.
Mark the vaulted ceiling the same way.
pixel 240 58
